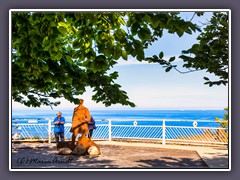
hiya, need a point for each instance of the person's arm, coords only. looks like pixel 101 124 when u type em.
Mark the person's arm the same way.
pixel 55 121
pixel 62 120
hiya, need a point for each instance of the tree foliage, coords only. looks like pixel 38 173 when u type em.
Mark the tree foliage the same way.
pixel 224 121
pixel 211 53
pixel 59 54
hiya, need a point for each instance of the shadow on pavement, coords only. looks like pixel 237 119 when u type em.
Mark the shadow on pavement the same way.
pixel 114 157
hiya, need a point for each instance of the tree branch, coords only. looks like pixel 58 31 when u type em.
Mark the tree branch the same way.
pixel 185 71
pixel 192 17
pixel 43 95
pixel 168 64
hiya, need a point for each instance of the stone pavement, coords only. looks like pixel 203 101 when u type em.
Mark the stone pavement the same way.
pixel 162 156
pixel 215 157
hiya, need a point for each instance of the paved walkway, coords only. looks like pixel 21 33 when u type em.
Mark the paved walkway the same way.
pixel 214 157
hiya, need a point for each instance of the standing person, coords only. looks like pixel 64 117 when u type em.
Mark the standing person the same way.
pixel 81 118
pixel 91 127
pixel 59 122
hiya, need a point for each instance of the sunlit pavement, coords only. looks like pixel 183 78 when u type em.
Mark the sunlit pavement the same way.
pixel 215 157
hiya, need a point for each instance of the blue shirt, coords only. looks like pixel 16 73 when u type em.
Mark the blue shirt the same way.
pixel 59 127
pixel 91 124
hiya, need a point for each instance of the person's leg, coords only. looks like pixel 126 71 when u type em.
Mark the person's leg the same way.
pixel 56 137
pixel 90 133
pixel 62 136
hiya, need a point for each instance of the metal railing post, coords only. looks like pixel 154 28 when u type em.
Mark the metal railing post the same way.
pixel 49 131
pixel 109 129
pixel 164 133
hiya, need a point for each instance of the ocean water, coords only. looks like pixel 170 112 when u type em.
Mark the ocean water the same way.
pixel 184 118
pixel 143 117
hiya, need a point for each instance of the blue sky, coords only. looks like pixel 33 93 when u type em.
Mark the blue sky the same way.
pixel 150 87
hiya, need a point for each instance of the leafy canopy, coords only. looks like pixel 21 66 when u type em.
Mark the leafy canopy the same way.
pixel 211 53
pixel 59 54
pixel 225 119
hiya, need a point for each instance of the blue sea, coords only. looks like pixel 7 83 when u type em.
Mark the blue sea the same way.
pixel 143 117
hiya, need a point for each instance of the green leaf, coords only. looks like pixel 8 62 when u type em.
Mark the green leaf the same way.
pixel 147 18
pixel 180 33
pixel 224 23
pixel 121 21
pixel 168 69
pixel 35 73
pixel 58 56
pixel 205 78
pixel 117 52
pixel 200 13
pixel 170 22
pixel 69 48
pixel 161 55
pixel 69 59
pixel 69 80
pixel 155 21
pixel 155 57
pixel 188 31
pixel 87 44
pixel 185 52
pixel 149 60
pixel 138 45
pixel 140 55
pixel 172 59
pixel 62 30
pixel 45 40
pixel 144 34
pixel 76 44
pixel 124 54
pixel 55 48
pixel 134 28
pixel 45 68
pixel 62 24
pixel 195 47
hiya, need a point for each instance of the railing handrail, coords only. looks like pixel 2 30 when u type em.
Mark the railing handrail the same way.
pixel 159 119
pixel 30 118
pixel 130 119
pixel 108 130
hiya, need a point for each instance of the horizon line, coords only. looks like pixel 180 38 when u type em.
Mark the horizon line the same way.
pixel 181 109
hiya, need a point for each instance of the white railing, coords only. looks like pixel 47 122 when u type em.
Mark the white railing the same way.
pixel 127 130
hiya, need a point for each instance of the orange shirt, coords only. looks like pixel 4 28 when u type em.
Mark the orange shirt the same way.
pixel 80 114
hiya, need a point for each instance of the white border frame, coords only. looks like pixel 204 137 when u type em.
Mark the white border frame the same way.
pixel 115 10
